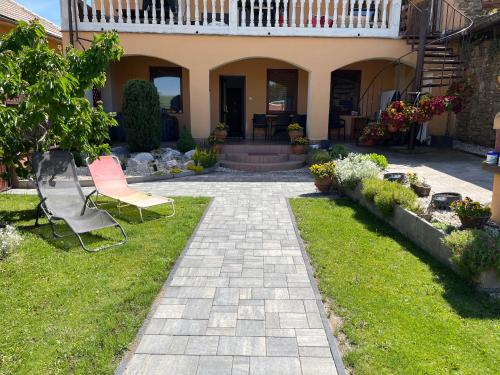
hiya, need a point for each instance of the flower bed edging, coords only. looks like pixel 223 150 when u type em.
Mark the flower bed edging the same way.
pixel 424 235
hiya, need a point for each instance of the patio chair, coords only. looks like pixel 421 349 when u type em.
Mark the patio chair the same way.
pixel 281 124
pixel 62 198
pixel 336 123
pixel 110 182
pixel 259 122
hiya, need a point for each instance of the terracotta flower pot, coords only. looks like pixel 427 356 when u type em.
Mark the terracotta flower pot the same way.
pixel 220 134
pixel 367 142
pixel 298 149
pixel 473 222
pixel 323 184
pixel 422 190
pixel 391 128
pixel 295 134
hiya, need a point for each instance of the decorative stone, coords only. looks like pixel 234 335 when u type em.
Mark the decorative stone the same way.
pixel 143 157
pixel 188 163
pixel 138 168
pixel 82 171
pixel 169 154
pixel 120 151
pixel 171 163
pixel 189 154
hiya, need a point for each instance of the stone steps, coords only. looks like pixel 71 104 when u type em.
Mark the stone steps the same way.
pixel 260 158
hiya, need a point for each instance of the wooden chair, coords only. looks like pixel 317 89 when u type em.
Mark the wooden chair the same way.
pixel 259 121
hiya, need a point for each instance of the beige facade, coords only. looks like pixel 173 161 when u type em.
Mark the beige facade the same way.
pixel 205 58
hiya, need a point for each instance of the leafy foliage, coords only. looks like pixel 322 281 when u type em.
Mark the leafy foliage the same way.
pixel 303 141
pixel 474 251
pixel 378 159
pixel 205 158
pixel 323 170
pixel 294 126
pixel 470 208
pixel 53 110
pixel 186 141
pixel 354 168
pixel 386 195
pixel 9 240
pixel 338 152
pixel 320 157
pixel 141 112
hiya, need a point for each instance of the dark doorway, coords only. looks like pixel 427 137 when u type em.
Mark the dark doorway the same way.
pixel 345 91
pixel 232 104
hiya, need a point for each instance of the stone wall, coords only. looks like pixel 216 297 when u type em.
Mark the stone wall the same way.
pixel 472 8
pixel 475 122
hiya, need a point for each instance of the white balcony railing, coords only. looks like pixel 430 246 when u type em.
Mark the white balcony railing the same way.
pixel 319 18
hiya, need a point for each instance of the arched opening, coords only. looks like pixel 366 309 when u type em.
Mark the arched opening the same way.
pixel 243 90
pixel 359 91
pixel 171 81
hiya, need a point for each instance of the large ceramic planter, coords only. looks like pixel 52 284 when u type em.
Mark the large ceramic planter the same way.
pixel 323 184
pixel 298 149
pixel 218 147
pixel 473 222
pixel 391 128
pixel 422 190
pixel 295 134
pixel 220 134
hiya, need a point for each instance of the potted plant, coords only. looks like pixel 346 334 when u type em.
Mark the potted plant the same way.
pixel 371 133
pixel 299 145
pixel 471 214
pixel 216 143
pixel 220 131
pixel 295 130
pixel 323 175
pixel 418 185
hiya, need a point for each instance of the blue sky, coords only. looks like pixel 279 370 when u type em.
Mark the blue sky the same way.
pixel 48 9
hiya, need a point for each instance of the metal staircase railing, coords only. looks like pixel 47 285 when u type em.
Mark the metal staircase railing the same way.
pixel 428 27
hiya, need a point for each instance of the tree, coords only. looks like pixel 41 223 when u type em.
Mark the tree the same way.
pixel 52 110
pixel 141 112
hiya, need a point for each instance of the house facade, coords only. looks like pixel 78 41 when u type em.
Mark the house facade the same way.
pixel 228 60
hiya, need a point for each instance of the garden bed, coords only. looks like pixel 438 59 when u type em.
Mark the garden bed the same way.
pixel 425 235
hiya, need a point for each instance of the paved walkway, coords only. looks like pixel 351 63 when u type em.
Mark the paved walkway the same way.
pixel 241 300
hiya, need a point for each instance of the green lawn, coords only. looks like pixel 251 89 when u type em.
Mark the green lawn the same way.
pixel 403 312
pixel 63 310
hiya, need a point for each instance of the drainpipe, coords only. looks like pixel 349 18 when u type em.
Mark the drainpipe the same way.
pixel 70 23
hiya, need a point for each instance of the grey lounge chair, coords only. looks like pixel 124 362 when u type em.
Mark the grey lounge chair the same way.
pixel 62 198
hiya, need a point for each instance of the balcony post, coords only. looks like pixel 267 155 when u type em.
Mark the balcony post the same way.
pixel 395 18
pixel 233 16
pixel 318 104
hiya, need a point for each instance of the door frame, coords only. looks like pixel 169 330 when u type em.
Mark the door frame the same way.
pixel 243 100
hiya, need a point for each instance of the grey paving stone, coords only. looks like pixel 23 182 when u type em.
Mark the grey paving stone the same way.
pixel 245 282
pixel 275 366
pixel 227 296
pixel 272 320
pixel 251 312
pixel 197 309
pixel 222 320
pixel 246 346
pixel 316 340
pixel 250 328
pixel 315 351
pixel 202 345
pixel 168 311
pixel 282 347
pixel 318 366
pixel 190 292
pixel 314 320
pixel 270 293
pixel 280 332
pixel 154 326
pixel 221 331
pixel 168 364
pixel 162 344
pixel 241 366
pixel 301 293
pixel 285 306
pixel 184 327
pixel 215 366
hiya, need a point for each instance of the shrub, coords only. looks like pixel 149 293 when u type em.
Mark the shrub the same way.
pixel 9 240
pixel 338 152
pixel 470 208
pixel 141 114
pixel 386 195
pixel 176 170
pixel 221 126
pixel 353 169
pixel 320 157
pixel 196 168
pixel 205 158
pixel 378 159
pixel 324 170
pixel 186 142
pixel 294 126
pixel 474 251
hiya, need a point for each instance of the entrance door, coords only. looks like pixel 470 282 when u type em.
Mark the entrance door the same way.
pixel 232 99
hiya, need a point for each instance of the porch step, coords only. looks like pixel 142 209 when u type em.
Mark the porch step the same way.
pixel 262 167
pixel 260 157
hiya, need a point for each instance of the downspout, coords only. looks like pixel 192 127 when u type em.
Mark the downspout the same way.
pixel 70 23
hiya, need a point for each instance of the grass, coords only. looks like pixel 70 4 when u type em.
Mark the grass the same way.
pixel 63 310
pixel 403 313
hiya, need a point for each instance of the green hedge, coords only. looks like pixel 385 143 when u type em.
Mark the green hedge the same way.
pixel 141 114
pixel 385 195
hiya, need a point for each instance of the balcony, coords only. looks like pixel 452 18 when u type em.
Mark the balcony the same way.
pixel 315 18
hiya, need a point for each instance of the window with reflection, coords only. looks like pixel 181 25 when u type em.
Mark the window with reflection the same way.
pixel 168 82
pixel 282 90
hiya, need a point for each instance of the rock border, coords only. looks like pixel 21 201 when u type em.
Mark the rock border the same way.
pixel 424 235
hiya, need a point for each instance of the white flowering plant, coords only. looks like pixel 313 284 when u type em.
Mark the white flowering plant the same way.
pixel 9 240
pixel 354 168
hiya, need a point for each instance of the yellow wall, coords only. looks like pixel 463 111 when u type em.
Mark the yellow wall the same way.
pixel 317 57
pixel 137 67
pixel 54 43
pixel 255 72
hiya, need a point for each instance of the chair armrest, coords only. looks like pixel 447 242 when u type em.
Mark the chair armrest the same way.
pixel 87 198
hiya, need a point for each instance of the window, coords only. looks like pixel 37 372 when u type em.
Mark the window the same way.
pixel 168 82
pixel 282 90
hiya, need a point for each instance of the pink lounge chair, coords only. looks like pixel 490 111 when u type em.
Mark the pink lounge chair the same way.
pixel 110 181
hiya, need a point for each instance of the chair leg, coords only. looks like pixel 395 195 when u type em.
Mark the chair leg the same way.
pixel 140 214
pixel 125 239
pixel 173 209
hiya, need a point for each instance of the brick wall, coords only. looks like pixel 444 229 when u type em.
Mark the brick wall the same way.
pixel 474 123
